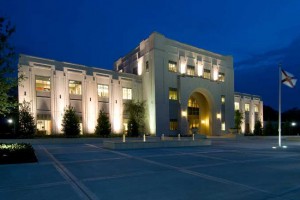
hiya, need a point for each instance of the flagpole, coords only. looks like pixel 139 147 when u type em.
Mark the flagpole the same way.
pixel 279 109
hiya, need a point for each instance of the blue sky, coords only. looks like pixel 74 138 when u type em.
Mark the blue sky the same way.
pixel 258 34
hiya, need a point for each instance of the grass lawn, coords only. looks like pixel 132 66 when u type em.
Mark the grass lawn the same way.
pixel 16 153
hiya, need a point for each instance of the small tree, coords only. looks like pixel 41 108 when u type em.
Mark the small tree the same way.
pixel 103 127
pixel 258 128
pixel 136 112
pixel 26 125
pixel 238 120
pixel 70 123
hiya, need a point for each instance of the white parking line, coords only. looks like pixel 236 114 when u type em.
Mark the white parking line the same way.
pixel 79 187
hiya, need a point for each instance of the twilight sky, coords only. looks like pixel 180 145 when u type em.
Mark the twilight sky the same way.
pixel 258 34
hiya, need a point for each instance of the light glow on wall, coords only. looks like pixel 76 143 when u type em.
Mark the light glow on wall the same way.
pixel 152 121
pixel 200 68
pixel 140 65
pixel 117 119
pixel 183 62
pixel 183 113
pixel 218 115
pixel 91 118
pixel 215 72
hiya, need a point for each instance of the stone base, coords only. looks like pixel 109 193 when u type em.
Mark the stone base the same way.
pixel 154 144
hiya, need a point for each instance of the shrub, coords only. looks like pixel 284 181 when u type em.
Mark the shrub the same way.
pixel 133 128
pixel 103 127
pixel 16 153
pixel 257 128
pixel 26 125
pixel 70 122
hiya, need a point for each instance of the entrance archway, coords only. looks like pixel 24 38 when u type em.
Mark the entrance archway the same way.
pixel 199 114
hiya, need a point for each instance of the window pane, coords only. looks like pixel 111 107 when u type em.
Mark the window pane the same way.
pixel 42 84
pixel 172 66
pixel 75 87
pixel 173 124
pixel 102 90
pixel 173 94
pixel 206 74
pixel 247 107
pixel 221 77
pixel 236 106
pixel 190 70
pixel 127 93
pixel 256 108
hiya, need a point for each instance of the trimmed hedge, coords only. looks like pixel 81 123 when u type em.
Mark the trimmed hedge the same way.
pixel 16 153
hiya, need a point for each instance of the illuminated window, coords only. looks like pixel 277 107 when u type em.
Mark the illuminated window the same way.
pixel 102 90
pixel 256 108
pixel 236 106
pixel 172 66
pixel 221 77
pixel 42 84
pixel 173 94
pixel 75 87
pixel 223 126
pixel 127 93
pixel 247 107
pixel 193 107
pixel 206 73
pixel 190 70
pixel 173 124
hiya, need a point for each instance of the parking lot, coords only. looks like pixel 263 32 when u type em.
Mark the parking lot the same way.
pixel 242 168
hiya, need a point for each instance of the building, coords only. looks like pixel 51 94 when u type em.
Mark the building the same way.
pixel 185 89
pixel 251 107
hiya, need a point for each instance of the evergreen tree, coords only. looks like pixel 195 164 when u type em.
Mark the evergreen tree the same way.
pixel 258 128
pixel 238 119
pixel 103 127
pixel 136 112
pixel 8 63
pixel 70 122
pixel 26 125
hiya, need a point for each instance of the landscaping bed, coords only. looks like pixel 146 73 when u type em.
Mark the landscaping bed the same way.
pixel 16 153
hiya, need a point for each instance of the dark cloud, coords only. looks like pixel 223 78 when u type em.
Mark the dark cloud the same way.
pixel 259 75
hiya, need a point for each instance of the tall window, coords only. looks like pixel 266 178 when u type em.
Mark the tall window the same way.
pixel 173 94
pixel 190 70
pixel 256 108
pixel 42 84
pixel 172 66
pixel 173 124
pixel 236 106
pixel 75 87
pixel 193 107
pixel 127 93
pixel 221 77
pixel 247 107
pixel 102 90
pixel 206 73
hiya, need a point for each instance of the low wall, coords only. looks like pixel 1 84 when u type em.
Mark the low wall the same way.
pixel 154 144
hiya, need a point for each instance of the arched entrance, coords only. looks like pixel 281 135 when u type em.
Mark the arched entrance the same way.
pixel 199 114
